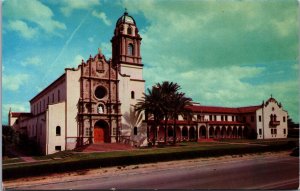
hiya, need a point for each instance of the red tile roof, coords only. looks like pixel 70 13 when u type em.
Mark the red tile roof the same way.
pixel 215 109
pixel 18 114
pixel 178 122
pixel 225 123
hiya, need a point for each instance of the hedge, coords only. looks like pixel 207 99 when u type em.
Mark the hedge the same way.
pixel 14 172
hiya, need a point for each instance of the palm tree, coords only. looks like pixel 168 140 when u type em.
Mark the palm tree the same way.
pixel 164 101
pixel 151 103
pixel 168 90
pixel 178 106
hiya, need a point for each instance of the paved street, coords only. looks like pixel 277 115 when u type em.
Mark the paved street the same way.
pixel 271 172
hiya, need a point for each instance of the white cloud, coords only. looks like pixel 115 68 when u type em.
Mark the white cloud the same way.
pixel 31 61
pixel 34 12
pixel 13 82
pixel 21 27
pixel 295 66
pixel 15 107
pixel 102 16
pixel 91 39
pixel 106 49
pixel 69 5
pixel 76 61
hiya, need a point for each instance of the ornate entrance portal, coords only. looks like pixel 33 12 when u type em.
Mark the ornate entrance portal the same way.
pixel 101 133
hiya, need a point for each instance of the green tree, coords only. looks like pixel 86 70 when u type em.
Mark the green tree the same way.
pixel 151 104
pixel 167 90
pixel 164 101
pixel 178 106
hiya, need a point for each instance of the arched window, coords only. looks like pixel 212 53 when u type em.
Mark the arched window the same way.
pixel 135 130
pixel 58 130
pixel 130 50
pixel 132 94
pixel 129 30
pixel 100 109
pixel 271 117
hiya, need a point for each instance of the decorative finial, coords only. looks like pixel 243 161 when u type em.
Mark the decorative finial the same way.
pixel 125 13
pixel 271 96
pixel 99 51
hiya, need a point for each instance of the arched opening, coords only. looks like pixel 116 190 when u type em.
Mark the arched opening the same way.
pixel 152 131
pixel 170 131
pixel 129 30
pixel 184 133
pixel 58 131
pixel 211 132
pixel 192 133
pixel 223 132
pixel 234 132
pixel 130 50
pixel 240 132
pixel 202 132
pixel 135 130
pixel 132 95
pixel 229 132
pixel 100 109
pixel 101 133
pixel 217 132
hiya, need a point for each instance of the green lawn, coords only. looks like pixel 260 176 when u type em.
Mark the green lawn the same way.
pixel 68 156
pixel 70 161
pixel 150 151
pixel 180 147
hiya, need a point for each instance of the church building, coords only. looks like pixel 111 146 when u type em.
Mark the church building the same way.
pixel 94 103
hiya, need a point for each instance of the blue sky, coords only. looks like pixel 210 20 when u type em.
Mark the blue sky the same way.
pixel 223 53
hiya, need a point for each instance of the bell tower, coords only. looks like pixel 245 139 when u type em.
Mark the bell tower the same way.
pixel 126 58
pixel 126 42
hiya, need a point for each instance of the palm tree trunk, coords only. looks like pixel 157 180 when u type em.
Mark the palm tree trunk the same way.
pixel 147 133
pixel 166 123
pixel 174 132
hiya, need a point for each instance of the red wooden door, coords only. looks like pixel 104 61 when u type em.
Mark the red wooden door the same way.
pixel 99 135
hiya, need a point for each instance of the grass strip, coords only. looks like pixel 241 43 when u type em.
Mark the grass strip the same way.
pixel 121 158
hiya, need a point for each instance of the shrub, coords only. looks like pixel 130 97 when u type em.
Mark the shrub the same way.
pixel 131 159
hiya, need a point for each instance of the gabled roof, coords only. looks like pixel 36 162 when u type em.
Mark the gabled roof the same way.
pixel 227 110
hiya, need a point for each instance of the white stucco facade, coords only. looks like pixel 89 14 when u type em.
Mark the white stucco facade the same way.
pixel 72 111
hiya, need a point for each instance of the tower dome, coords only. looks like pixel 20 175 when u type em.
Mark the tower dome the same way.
pixel 125 18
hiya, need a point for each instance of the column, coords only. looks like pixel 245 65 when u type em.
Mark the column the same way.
pixel 207 132
pixel 197 129
pixel 157 131
pixel 214 132
pixel 188 130
pixel 180 133
pixel 242 132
